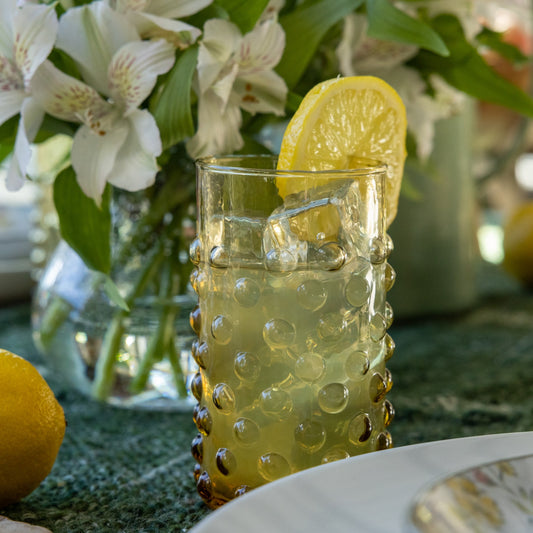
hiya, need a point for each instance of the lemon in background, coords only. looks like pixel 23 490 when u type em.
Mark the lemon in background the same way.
pixel 32 427
pixel 518 244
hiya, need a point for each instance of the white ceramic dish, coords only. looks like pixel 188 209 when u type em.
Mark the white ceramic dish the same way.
pixel 372 493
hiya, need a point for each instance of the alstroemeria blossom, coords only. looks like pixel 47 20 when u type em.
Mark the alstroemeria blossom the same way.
pixel 27 35
pixel 117 142
pixel 423 110
pixel 157 18
pixel 360 54
pixel 235 72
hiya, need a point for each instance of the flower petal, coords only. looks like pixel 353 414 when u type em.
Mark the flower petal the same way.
pixel 352 33
pixel 10 103
pixel 176 8
pixel 361 54
pixel 264 92
pixel 10 78
pixel 224 85
pixel 423 111
pixel 93 157
pixel 174 31
pixel 31 117
pixel 262 48
pixel 92 34
pixel 134 69
pixel 7 9
pixel 218 130
pixel 136 166
pixel 145 127
pixel 35 30
pixel 32 114
pixel 123 6
pixel 15 178
pixel 65 97
pixel 221 39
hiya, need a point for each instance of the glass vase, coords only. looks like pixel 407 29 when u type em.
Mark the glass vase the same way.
pixel 135 357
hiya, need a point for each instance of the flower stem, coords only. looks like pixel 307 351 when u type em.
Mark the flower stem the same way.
pixel 163 341
pixel 104 371
pixel 170 199
pixel 104 375
pixel 55 314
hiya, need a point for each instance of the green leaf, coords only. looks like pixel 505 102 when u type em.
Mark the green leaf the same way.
pixel 5 150
pixel 172 106
pixel 259 195
pixel 83 225
pixel 252 146
pixel 64 63
pixel 494 40
pixel 467 71
pixel 8 130
pixel 304 29
pixel 388 23
pixel 293 101
pixel 113 293
pixel 212 11
pixel 244 13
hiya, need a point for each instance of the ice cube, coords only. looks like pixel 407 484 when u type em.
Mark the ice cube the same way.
pixel 283 249
pixel 347 201
pixel 235 239
pixel 317 223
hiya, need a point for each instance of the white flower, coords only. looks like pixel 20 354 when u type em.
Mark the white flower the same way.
pixel 117 142
pixel 359 54
pixel 422 109
pixel 155 18
pixel 27 35
pixel 235 72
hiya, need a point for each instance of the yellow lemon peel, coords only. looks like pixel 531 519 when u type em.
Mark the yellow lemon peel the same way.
pixel 32 427
pixel 339 124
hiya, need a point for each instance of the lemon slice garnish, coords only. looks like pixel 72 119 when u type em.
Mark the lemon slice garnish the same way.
pixel 338 124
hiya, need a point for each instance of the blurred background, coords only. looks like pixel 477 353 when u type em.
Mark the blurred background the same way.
pixel 500 165
pixel 29 228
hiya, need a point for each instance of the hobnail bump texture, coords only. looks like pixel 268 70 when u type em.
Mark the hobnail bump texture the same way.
pixel 291 369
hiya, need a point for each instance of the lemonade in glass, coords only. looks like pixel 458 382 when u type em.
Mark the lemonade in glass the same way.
pixel 291 276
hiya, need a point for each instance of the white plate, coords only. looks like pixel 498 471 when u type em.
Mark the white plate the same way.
pixel 372 493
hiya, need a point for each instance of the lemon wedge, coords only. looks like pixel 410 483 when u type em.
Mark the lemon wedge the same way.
pixel 340 123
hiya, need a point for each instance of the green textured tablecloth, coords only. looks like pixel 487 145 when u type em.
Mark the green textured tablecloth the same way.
pixel 121 470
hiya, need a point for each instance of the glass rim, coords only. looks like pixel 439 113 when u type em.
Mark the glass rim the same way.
pixel 226 164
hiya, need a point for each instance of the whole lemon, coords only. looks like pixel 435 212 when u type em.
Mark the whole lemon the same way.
pixel 32 427
pixel 518 243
